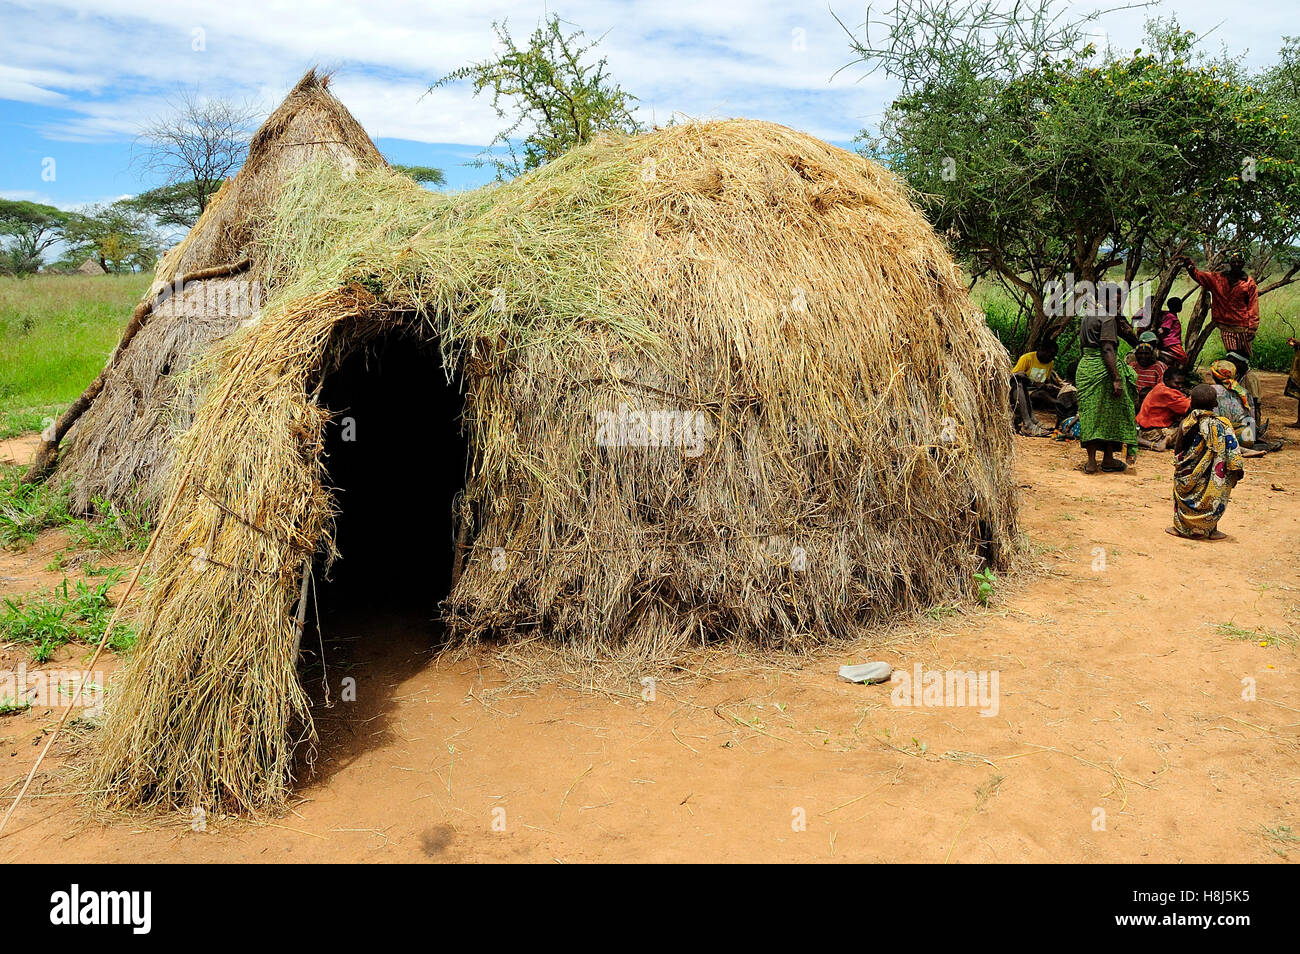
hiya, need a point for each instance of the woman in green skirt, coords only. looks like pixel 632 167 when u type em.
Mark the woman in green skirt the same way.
pixel 1107 387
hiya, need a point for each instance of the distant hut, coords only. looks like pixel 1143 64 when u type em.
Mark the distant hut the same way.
pixel 91 267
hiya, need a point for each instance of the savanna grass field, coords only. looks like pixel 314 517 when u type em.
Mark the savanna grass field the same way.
pixel 56 331
pixel 707 435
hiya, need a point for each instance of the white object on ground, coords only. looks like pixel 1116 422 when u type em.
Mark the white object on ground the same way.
pixel 867 672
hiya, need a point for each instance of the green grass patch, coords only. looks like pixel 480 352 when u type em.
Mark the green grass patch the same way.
pixel 56 331
pixel 1264 637
pixel 111 531
pixel 27 509
pixel 26 421
pixel 73 612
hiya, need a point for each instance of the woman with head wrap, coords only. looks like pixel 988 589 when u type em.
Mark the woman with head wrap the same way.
pixel 1234 402
pixel 1206 469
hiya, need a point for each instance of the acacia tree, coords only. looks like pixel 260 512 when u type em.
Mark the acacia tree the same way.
pixel 119 237
pixel 549 92
pixel 29 229
pixel 425 175
pixel 174 206
pixel 1236 185
pixel 194 147
pixel 1014 162
pixel 1042 158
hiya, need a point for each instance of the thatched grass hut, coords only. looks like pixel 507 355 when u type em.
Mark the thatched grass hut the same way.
pixel 719 382
pixel 121 432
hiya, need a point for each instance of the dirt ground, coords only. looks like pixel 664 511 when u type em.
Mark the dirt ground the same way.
pixel 1125 728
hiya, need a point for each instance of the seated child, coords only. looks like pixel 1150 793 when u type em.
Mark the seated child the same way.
pixel 1208 466
pixel 1248 380
pixel 1032 380
pixel 1164 407
pixel 1067 429
pixel 1234 403
pixel 1146 363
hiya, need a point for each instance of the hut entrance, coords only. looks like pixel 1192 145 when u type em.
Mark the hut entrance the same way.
pixel 395 458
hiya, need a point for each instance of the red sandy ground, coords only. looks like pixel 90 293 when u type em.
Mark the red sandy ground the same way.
pixel 1120 692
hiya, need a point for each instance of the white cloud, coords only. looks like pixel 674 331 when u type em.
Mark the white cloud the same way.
pixel 44 198
pixel 113 63
pixel 25 195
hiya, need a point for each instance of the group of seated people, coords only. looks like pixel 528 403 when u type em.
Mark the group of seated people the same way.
pixel 1160 393
pixel 1144 401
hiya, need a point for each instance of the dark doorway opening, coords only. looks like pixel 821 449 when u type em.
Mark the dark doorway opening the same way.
pixel 395 460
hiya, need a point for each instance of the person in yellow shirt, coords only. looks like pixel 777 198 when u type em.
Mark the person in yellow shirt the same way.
pixel 1034 382
pixel 1036 366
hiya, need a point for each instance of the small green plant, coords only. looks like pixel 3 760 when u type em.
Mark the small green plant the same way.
pixel 1266 638
pixel 114 530
pixel 985 581
pixel 27 509
pixel 76 613
pixel 1284 837
pixel 8 708
pixel 942 611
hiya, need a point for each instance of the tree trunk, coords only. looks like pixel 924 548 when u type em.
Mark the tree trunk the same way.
pixel 1197 332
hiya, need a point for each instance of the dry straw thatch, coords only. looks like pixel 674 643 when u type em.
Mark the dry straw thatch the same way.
pixel 121 433
pixel 782 290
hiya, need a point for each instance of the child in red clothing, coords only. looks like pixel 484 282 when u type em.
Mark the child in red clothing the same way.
pixel 1149 368
pixel 1168 329
pixel 1165 406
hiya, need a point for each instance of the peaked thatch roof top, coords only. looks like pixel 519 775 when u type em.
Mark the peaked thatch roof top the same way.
pixel 309 125
pixel 121 433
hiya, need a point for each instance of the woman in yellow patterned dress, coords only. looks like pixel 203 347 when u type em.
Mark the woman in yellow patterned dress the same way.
pixel 1207 467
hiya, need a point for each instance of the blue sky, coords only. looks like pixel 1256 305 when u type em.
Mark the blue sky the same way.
pixel 78 79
